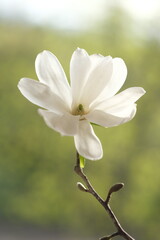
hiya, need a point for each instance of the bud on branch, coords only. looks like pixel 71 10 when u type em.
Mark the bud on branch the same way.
pixel 81 187
pixel 115 188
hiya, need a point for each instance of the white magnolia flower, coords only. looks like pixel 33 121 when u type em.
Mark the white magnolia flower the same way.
pixel 90 97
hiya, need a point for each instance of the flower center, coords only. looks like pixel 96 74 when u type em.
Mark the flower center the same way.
pixel 79 110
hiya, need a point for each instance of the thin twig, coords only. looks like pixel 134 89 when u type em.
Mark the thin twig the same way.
pixel 105 203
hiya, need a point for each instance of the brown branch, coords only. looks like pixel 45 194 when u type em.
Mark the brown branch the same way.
pixel 105 203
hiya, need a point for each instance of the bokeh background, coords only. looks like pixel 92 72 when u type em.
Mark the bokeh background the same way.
pixel 38 194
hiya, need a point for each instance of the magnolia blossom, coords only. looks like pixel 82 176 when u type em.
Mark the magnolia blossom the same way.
pixel 90 97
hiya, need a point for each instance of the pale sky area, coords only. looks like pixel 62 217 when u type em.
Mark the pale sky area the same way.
pixel 74 14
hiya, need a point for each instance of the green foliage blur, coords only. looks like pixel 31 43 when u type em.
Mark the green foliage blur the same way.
pixel 37 181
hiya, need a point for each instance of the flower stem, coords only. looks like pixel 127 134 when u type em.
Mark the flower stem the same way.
pixel 105 203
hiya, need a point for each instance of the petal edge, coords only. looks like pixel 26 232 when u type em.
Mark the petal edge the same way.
pixel 87 143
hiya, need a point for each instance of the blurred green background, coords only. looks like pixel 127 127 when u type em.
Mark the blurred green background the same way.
pixel 37 182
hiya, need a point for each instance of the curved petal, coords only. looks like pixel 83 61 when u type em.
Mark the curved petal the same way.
pixel 97 59
pixel 50 72
pixel 97 80
pixel 41 95
pixel 116 81
pixel 87 143
pixel 118 77
pixel 122 99
pixel 66 124
pixel 108 120
pixel 79 68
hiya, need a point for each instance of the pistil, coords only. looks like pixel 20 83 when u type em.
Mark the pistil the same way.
pixel 79 110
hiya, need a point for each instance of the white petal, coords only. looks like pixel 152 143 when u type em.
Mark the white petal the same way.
pixel 79 68
pixel 50 72
pixel 87 143
pixel 41 95
pixel 117 110
pixel 98 79
pixel 123 99
pixel 65 124
pixel 123 111
pixel 118 77
pixel 96 59
pixel 116 81
pixel 108 120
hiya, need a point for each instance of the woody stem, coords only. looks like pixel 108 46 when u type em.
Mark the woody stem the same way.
pixel 105 203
